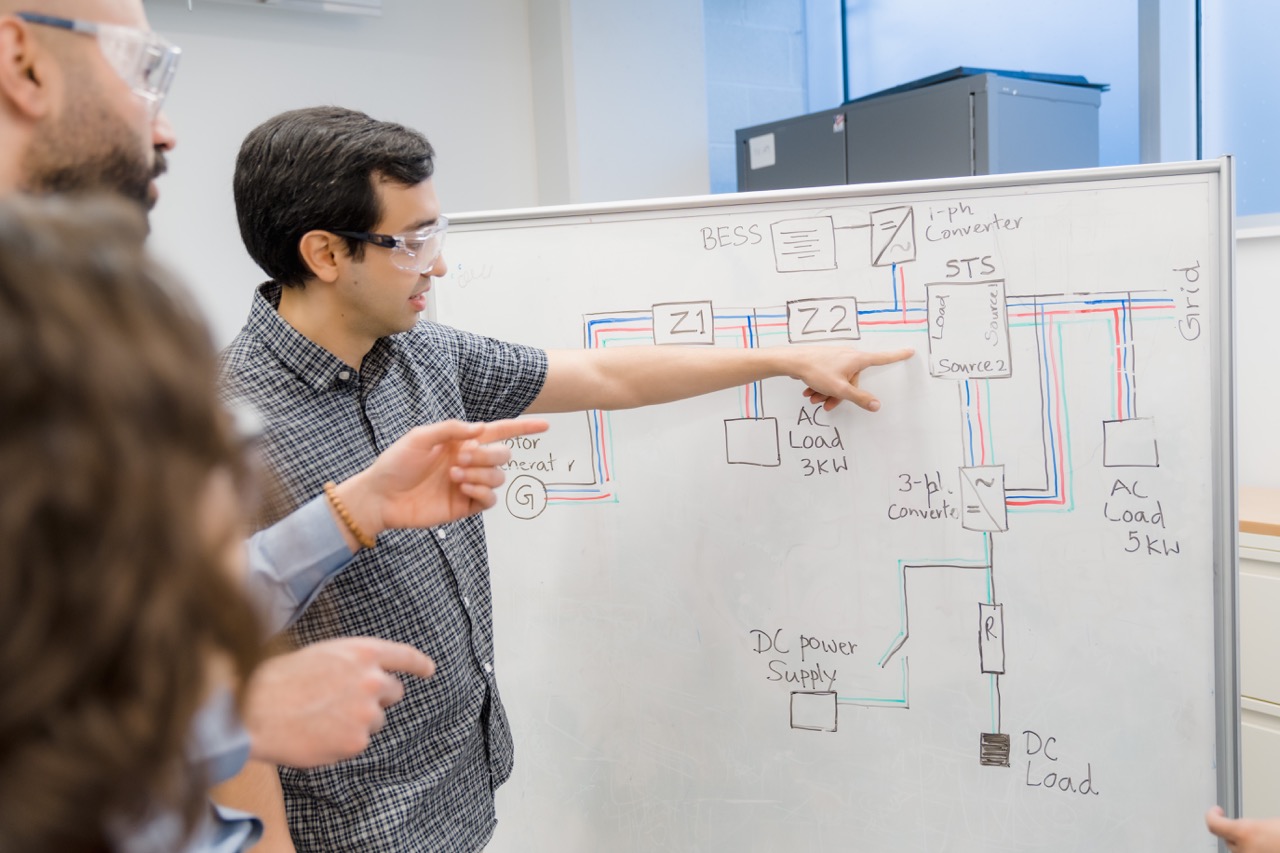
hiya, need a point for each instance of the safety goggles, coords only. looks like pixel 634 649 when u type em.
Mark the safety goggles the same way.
pixel 146 61
pixel 413 252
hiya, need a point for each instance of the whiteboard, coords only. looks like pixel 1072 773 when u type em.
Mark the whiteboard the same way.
pixel 998 615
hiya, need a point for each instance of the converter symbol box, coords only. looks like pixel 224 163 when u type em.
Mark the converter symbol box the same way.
pixel 982 499
pixel 893 236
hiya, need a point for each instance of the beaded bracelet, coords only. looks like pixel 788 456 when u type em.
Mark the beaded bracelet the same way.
pixel 365 540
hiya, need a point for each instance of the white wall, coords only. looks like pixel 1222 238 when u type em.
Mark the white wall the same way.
pixel 1257 307
pixel 1167 76
pixel 1241 101
pixel 638 84
pixel 527 102
pixel 765 62
pixel 457 71
pixel 893 42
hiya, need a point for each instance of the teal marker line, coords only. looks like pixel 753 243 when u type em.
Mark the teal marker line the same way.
pixel 991 582
pixel 952 562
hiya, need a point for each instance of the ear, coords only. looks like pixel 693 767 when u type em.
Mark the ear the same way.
pixel 24 70
pixel 324 254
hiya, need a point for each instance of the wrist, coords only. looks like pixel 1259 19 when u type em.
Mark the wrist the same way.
pixel 255 718
pixel 782 361
pixel 360 502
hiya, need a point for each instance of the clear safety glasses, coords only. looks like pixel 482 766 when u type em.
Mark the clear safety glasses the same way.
pixel 146 61
pixel 414 252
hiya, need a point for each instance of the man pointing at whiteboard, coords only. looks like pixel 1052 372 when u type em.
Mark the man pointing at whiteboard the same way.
pixel 340 211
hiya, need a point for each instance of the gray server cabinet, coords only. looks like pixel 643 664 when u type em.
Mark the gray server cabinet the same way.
pixel 961 122
pixel 806 151
pixel 982 124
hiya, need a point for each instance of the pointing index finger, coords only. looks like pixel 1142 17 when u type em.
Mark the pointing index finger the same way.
pixel 443 431
pixel 502 430
pixel 889 356
pixel 401 657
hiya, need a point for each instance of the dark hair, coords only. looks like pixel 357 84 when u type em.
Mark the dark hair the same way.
pixel 315 169
pixel 114 607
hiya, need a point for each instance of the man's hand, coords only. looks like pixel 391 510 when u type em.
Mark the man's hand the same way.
pixel 433 474
pixel 322 703
pixel 1244 836
pixel 831 375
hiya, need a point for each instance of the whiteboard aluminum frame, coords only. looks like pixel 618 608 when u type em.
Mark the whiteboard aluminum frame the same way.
pixel 1225 548
pixel 1226 501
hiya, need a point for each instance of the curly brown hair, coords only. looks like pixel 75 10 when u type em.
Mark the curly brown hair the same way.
pixel 113 605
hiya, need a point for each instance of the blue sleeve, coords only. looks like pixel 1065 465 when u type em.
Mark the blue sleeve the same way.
pixel 217 748
pixel 232 831
pixel 220 830
pixel 290 561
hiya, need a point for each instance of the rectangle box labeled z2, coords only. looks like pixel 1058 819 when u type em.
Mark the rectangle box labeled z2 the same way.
pixel 832 318
pixel 968 330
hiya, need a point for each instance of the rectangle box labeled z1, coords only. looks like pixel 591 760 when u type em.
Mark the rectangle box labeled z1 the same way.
pixel 968 330
pixel 684 323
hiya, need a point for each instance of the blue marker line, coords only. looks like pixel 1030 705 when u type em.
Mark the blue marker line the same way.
pixel 595 430
pixel 862 311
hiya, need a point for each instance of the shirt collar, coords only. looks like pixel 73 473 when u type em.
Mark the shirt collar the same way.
pixel 312 363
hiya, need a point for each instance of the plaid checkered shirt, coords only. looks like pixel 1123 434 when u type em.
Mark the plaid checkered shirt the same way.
pixel 426 782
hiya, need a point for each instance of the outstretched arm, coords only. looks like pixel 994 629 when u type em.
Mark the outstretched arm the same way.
pixel 628 377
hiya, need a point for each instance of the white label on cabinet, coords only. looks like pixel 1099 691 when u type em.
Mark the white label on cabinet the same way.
pixel 762 151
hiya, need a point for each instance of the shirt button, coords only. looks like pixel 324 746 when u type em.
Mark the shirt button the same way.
pixel 440 534
pixel 466 602
pixel 344 375
pixel 488 667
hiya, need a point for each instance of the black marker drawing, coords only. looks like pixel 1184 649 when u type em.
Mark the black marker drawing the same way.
pixel 893 236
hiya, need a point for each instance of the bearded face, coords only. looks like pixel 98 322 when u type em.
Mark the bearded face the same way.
pixel 92 147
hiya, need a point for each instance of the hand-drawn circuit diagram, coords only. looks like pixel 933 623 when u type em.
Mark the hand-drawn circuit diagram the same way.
pixel 981 332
